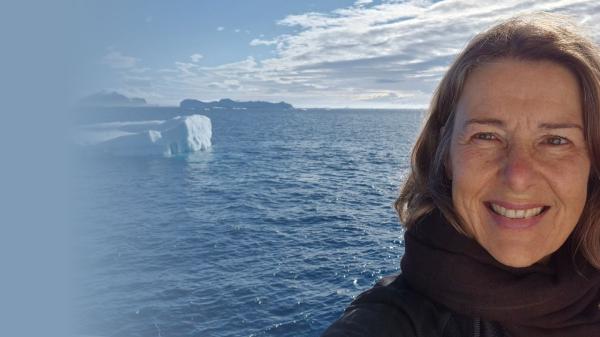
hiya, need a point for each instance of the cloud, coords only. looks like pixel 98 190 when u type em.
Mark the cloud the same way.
pixel 383 96
pixel 362 2
pixel 186 69
pixel 196 57
pixel 261 42
pixel 220 28
pixel 388 54
pixel 116 60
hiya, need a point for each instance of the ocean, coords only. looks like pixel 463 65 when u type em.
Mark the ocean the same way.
pixel 271 232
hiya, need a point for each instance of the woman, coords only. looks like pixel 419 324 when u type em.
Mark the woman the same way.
pixel 502 205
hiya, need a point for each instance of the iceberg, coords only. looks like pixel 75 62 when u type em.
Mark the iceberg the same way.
pixel 182 134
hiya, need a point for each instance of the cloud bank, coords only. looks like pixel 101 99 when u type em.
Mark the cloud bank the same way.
pixel 390 54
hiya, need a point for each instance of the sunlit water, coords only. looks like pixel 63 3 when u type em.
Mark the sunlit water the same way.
pixel 270 233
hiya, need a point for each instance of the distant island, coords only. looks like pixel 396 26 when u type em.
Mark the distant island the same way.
pixel 112 106
pixel 228 104
pixel 111 99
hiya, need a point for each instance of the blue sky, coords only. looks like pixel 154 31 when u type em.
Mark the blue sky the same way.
pixel 327 53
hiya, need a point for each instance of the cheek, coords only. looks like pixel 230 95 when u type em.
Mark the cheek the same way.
pixel 472 168
pixel 472 172
pixel 569 180
pixel 467 205
pixel 571 190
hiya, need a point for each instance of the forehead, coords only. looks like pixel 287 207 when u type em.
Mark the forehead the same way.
pixel 515 89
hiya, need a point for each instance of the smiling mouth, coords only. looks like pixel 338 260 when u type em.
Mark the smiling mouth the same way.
pixel 517 213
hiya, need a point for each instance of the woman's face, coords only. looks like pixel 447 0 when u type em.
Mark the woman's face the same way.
pixel 518 159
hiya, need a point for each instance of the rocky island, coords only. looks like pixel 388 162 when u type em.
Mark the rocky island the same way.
pixel 106 107
pixel 228 104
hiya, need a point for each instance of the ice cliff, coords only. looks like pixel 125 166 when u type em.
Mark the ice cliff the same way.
pixel 178 135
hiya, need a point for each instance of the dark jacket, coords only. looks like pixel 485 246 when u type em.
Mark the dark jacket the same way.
pixel 392 308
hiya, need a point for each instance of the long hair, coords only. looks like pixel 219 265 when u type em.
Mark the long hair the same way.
pixel 534 37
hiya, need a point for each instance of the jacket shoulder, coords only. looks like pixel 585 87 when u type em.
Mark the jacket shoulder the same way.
pixel 392 308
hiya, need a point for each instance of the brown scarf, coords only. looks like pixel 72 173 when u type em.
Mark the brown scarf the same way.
pixel 551 300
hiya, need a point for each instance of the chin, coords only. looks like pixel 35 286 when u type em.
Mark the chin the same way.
pixel 516 260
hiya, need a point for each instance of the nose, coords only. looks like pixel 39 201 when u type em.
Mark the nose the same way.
pixel 519 169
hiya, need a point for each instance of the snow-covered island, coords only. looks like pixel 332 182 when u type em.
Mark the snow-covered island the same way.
pixel 182 134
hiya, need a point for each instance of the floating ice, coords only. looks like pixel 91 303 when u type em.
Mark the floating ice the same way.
pixel 181 134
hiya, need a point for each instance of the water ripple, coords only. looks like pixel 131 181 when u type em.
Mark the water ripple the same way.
pixel 270 233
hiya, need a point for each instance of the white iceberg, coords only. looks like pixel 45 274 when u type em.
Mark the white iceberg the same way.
pixel 181 134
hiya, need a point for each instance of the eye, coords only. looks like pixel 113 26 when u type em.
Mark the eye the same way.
pixel 556 140
pixel 484 136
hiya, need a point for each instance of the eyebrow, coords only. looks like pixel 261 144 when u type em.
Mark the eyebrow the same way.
pixel 553 126
pixel 484 121
pixel 500 123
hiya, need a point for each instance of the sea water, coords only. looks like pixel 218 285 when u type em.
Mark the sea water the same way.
pixel 271 232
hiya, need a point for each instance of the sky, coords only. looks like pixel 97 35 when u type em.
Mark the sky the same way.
pixel 326 53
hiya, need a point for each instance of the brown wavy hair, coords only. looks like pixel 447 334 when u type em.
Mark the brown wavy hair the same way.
pixel 533 37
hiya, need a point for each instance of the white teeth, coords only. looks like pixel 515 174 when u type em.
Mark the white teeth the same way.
pixel 517 213
pixel 532 212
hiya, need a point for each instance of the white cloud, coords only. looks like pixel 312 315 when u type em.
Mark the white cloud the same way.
pixel 381 96
pixel 186 69
pixel 362 2
pixel 116 60
pixel 237 30
pixel 220 28
pixel 388 54
pixel 260 42
pixel 196 57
